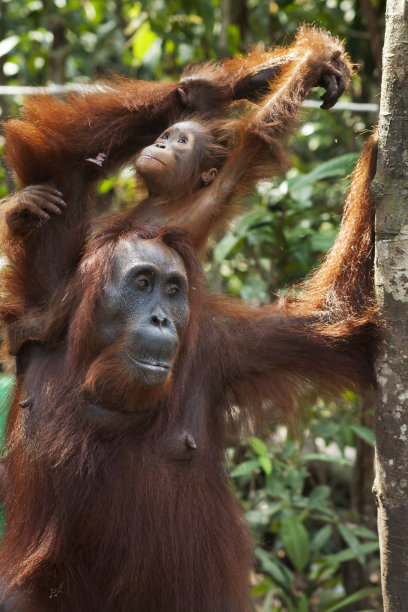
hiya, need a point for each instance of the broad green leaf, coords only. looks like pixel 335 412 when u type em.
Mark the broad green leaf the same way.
pixel 321 242
pixel 261 516
pixel 267 606
pixel 258 446
pixel 339 166
pixel 142 41
pixel 362 594
pixel 6 388
pixel 280 574
pixel 225 246
pixel 266 464
pixel 348 554
pixel 318 496
pixel 363 532
pixel 364 433
pixel 321 537
pixel 296 541
pixel 262 587
pixel 288 450
pixel 351 540
pixel 303 605
pixel 106 185
pixel 303 195
pixel 323 457
pixel 247 467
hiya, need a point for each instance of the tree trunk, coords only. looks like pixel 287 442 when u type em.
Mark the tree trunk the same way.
pixel 225 22
pixel 390 191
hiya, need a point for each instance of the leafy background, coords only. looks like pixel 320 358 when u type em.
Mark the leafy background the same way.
pixel 307 495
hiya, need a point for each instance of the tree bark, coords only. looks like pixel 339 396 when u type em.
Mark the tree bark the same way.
pixel 390 191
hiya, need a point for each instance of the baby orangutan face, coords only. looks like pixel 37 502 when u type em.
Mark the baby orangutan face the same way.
pixel 172 163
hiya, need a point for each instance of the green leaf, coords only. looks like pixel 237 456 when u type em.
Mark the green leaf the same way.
pixel 303 195
pixel 321 537
pixel 289 450
pixel 6 389
pixel 362 594
pixel 363 532
pixel 143 40
pixel 225 246
pixel 262 587
pixel 318 496
pixel 280 574
pixel 258 446
pixel 303 605
pixel 266 464
pixel 364 433
pixel 323 457
pixel 106 185
pixel 351 540
pixel 296 541
pixel 262 515
pixel 247 467
pixel 322 241
pixel 348 554
pixel 339 166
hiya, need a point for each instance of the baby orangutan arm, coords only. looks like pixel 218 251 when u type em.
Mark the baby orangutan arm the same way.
pixel 320 60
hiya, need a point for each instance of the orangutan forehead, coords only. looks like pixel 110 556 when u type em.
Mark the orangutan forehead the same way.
pixel 134 251
pixel 187 127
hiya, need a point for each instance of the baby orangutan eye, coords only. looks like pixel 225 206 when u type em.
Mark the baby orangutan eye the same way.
pixel 164 137
pixel 182 141
pixel 172 290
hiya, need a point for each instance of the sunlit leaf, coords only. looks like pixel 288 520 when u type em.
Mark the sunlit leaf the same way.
pixel 7 44
pixel 143 40
pixel 266 464
pixel 258 446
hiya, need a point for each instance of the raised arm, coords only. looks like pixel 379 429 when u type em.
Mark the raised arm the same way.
pixel 324 336
pixel 317 59
pixel 61 147
pixel 117 118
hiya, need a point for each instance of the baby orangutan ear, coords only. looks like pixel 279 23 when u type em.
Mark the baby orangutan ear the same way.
pixel 208 176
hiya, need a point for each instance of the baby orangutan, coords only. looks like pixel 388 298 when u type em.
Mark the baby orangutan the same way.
pixel 194 175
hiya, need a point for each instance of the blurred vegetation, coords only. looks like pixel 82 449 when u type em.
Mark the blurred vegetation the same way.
pixel 314 527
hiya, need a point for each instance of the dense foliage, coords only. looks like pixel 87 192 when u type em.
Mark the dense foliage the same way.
pixel 297 490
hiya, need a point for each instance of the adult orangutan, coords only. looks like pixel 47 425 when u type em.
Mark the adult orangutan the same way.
pixel 118 498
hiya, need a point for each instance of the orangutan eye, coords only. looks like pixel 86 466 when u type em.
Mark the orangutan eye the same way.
pixel 142 283
pixel 164 137
pixel 182 141
pixel 172 290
